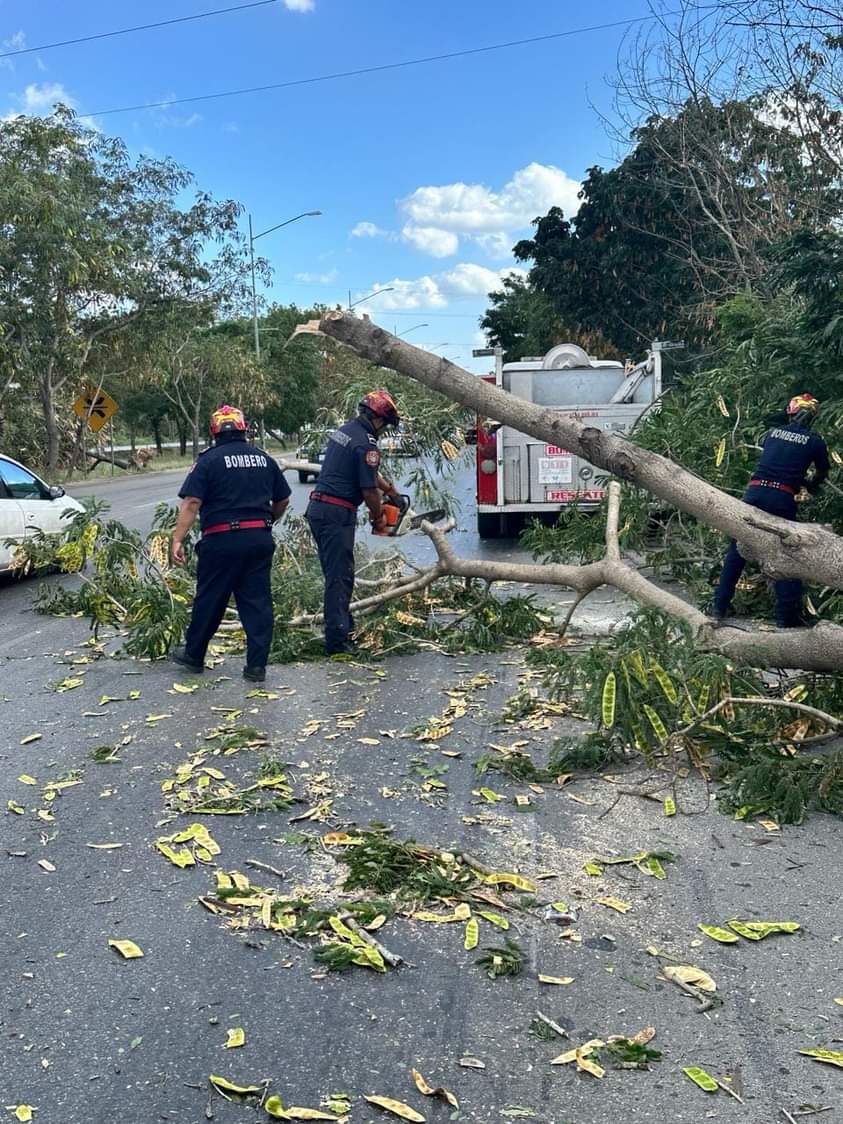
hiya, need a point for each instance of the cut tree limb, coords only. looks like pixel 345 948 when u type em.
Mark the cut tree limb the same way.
pixel 782 549
pixel 817 649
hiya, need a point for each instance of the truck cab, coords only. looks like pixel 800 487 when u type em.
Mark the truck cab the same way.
pixel 519 476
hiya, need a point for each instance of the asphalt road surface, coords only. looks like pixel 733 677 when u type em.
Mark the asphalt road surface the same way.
pixel 90 1038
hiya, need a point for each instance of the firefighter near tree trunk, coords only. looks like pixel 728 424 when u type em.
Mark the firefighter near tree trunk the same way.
pixel 238 491
pixel 788 453
pixel 349 476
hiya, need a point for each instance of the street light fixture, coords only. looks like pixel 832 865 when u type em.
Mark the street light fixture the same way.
pixel 368 297
pixel 407 331
pixel 252 239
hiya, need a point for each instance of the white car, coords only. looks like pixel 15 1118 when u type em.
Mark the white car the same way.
pixel 28 505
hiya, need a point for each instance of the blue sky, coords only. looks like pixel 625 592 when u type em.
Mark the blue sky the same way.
pixel 426 176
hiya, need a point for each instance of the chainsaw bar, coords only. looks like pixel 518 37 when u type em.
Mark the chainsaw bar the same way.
pixel 427 517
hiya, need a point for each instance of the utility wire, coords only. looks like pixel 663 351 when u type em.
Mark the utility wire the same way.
pixel 139 27
pixel 389 65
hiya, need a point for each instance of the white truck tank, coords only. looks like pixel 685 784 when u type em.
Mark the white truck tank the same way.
pixel 533 477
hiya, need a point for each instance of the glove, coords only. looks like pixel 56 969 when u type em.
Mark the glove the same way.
pixel 379 524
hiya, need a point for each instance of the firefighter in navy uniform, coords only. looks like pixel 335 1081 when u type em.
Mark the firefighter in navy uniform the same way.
pixel 349 477
pixel 788 452
pixel 238 492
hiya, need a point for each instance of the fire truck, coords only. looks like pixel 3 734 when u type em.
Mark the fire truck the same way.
pixel 519 476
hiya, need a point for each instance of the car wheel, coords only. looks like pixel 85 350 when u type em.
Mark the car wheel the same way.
pixel 303 477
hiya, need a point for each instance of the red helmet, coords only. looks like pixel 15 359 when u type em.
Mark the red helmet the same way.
pixel 225 419
pixel 382 405
pixel 803 402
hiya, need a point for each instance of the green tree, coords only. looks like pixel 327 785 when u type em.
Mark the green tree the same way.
pixel 685 221
pixel 92 245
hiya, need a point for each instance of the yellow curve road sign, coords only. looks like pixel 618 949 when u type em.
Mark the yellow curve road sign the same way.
pixel 95 407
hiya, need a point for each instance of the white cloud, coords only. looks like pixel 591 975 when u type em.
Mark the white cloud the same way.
pixel 15 42
pixel 300 5
pixel 477 212
pixel 469 280
pixel 431 240
pixel 327 278
pixel 367 230
pixel 39 99
pixel 433 291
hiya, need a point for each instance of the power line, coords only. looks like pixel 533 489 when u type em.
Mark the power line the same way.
pixel 139 27
pixel 389 65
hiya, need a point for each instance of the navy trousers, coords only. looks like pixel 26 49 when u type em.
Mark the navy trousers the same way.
pixel 788 593
pixel 333 529
pixel 238 563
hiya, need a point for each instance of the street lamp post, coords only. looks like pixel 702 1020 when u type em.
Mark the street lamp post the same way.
pixel 407 331
pixel 252 239
pixel 368 297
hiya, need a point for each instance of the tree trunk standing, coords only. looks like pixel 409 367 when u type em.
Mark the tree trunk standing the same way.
pixel 51 427
pixel 156 433
pixel 782 549
pixel 182 438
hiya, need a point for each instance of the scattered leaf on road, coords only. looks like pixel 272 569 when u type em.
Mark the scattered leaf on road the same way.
pixel 222 1084
pixel 699 1077
pixel 45 864
pixel 127 949
pixel 185 689
pixel 397 1108
pixel 472 934
pixel 616 904
pixel 472 1063
pixel 428 1090
pixel 31 738
pixel 688 974
pixel 831 1057
pixel 718 934
pixel 494 918
pixel 556 979
pixel 236 1037
pixel 586 1066
pixel 23 1112
pixel 758 930
pixel 25 778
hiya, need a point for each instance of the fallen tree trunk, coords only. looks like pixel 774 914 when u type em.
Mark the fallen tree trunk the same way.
pixel 780 548
pixel 817 649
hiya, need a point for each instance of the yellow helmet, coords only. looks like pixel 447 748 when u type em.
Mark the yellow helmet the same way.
pixel 227 418
pixel 803 404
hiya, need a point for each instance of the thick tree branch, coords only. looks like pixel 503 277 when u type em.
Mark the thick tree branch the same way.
pixel 782 549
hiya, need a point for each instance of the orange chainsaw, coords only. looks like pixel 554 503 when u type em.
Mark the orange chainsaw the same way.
pixel 401 519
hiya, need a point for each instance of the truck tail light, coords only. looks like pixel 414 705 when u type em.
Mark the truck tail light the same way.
pixel 487 466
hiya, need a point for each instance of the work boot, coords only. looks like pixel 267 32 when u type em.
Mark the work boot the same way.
pixel 347 648
pixel 717 613
pixel 180 656
pixel 254 674
pixel 794 621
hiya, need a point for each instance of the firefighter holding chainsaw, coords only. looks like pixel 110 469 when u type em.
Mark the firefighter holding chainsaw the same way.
pixel 349 476
pixel 788 451
pixel 238 491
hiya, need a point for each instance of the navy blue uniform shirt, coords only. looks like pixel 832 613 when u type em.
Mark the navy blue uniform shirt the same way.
pixel 235 480
pixel 788 452
pixel 351 462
